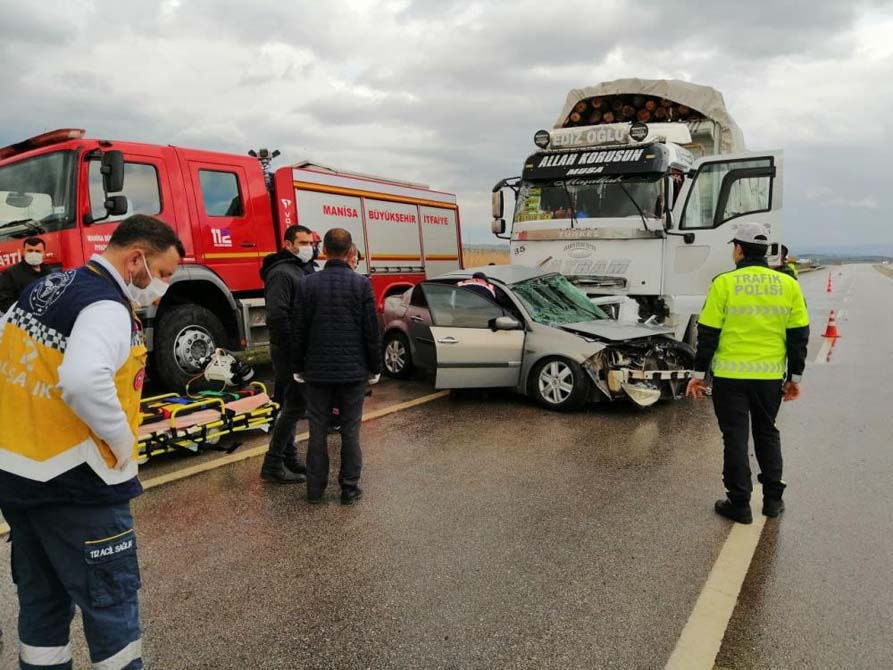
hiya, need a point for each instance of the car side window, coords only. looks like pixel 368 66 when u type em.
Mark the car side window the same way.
pixel 417 299
pixel 459 308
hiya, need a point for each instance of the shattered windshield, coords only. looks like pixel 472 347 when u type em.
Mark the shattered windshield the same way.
pixel 553 301
pixel 37 195
pixel 605 197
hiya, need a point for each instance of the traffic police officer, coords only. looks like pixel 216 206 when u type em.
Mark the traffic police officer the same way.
pixel 787 266
pixel 72 364
pixel 752 334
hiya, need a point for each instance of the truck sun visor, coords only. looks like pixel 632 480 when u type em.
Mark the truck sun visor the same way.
pixel 652 159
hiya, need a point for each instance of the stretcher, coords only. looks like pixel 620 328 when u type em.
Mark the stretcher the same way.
pixel 196 422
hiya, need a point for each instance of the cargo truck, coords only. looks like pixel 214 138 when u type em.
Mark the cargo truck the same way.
pixel 635 193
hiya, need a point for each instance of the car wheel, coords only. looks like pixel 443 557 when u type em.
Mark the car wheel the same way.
pixel 559 384
pixel 396 357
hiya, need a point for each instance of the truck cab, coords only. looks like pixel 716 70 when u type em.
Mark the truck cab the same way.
pixel 639 215
pixel 52 186
pixel 229 212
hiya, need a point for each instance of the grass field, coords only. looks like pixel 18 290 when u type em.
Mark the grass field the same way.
pixel 476 257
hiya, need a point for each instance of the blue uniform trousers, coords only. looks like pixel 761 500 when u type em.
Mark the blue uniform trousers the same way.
pixel 67 555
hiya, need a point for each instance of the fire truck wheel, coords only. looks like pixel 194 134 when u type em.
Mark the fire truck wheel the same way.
pixel 185 337
pixel 396 357
pixel 559 384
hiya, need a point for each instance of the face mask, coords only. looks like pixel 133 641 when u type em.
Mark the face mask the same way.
pixel 305 254
pixel 34 258
pixel 144 297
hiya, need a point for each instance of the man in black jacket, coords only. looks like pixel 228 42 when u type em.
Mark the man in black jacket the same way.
pixel 337 342
pixel 282 273
pixel 17 277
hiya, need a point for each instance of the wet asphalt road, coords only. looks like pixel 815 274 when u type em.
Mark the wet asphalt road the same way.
pixel 494 534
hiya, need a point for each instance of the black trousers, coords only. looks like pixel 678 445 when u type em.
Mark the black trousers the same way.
pixel 282 439
pixel 743 406
pixel 321 398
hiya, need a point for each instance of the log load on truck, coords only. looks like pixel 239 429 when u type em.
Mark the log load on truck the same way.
pixel 636 192
pixel 230 212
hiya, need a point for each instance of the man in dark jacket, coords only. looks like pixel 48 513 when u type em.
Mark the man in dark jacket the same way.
pixel 16 278
pixel 282 273
pixel 337 342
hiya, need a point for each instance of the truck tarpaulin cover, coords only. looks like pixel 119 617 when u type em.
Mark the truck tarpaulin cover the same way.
pixel 704 99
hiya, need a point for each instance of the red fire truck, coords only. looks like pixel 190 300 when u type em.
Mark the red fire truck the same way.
pixel 230 212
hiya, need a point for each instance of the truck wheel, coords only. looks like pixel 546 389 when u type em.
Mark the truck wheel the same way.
pixel 559 384
pixel 186 336
pixel 396 357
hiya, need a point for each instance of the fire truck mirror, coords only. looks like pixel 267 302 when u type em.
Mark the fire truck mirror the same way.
pixel 498 226
pixel 112 171
pixel 116 205
pixel 498 204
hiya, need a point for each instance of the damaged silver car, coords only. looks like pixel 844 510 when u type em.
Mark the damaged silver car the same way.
pixel 533 331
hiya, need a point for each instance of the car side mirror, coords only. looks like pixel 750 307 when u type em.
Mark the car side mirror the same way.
pixel 505 323
pixel 116 205
pixel 112 171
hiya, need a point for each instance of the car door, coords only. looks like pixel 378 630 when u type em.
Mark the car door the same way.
pixel 466 351
pixel 726 190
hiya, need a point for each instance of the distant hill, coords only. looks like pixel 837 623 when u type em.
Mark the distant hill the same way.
pixel 487 247
pixel 875 250
pixel 842 258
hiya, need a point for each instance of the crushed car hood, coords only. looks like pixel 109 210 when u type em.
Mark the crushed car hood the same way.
pixel 616 331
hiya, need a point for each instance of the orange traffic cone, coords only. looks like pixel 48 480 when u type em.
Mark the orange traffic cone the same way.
pixel 831 328
pixel 829 283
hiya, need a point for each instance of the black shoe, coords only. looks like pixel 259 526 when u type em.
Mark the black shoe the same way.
pixel 772 507
pixel 728 509
pixel 279 474
pixel 314 499
pixel 350 496
pixel 295 466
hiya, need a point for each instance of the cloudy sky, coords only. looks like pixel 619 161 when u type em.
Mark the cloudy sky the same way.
pixel 450 93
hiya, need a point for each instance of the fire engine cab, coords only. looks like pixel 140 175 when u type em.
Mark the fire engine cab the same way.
pixel 230 211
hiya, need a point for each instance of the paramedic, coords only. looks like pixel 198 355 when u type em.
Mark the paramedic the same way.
pixel 69 409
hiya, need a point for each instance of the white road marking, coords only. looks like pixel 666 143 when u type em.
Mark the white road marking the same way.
pixel 703 634
pixel 821 358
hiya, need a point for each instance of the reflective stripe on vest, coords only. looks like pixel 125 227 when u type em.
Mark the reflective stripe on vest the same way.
pixel 757 311
pixel 764 367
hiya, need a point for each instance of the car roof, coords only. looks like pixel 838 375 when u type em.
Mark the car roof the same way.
pixel 505 274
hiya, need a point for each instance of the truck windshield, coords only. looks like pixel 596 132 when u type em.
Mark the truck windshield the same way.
pixel 553 301
pixel 37 195
pixel 608 197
